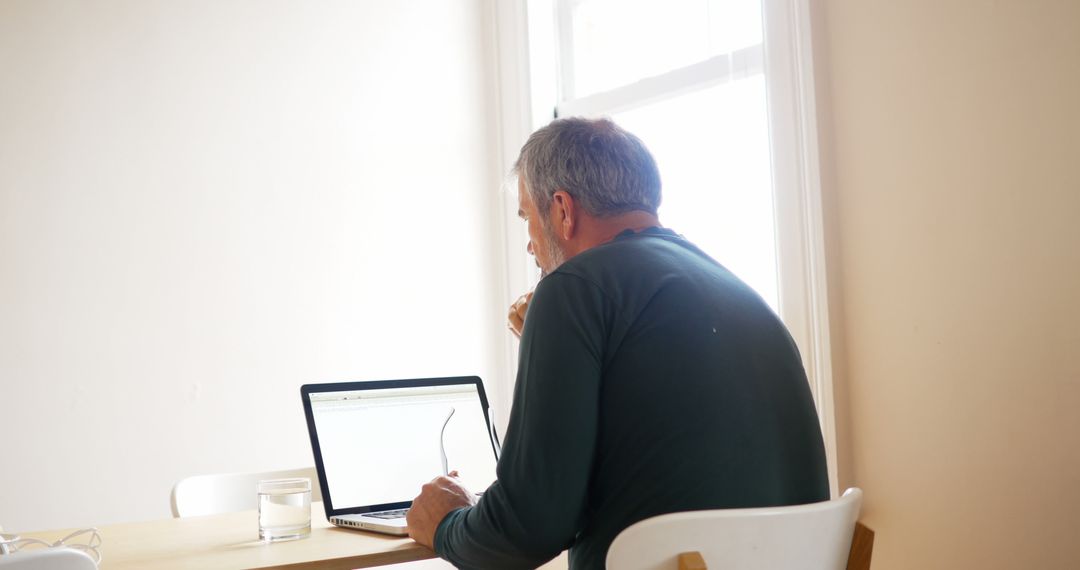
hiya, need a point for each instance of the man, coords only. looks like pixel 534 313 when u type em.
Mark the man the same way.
pixel 651 380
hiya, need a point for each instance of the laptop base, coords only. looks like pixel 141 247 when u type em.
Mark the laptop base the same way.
pixel 396 527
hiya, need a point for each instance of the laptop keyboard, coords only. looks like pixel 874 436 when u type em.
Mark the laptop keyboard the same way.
pixel 388 514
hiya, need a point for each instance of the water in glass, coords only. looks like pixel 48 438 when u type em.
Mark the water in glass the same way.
pixel 284 509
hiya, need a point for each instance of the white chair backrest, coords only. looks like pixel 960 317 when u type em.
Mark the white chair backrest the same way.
pixel 229 492
pixel 47 559
pixel 816 536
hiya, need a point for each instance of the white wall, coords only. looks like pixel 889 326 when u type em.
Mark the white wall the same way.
pixel 204 205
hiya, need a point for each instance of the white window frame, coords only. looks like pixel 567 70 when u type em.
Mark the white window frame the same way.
pixel 528 92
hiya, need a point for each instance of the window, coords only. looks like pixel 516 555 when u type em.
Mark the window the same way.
pixel 712 147
pixel 721 91
pixel 607 44
pixel 687 76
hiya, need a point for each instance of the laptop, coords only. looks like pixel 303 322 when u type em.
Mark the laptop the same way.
pixel 375 443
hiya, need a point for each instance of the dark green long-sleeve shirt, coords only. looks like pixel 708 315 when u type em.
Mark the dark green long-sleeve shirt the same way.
pixel 651 380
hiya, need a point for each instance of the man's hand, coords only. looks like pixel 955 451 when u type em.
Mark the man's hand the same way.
pixel 437 498
pixel 516 317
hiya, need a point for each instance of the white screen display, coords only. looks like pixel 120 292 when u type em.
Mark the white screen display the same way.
pixel 379 446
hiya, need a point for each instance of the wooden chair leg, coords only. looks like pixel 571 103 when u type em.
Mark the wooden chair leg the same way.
pixel 691 561
pixel 862 546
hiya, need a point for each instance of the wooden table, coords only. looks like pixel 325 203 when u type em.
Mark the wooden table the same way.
pixel 230 541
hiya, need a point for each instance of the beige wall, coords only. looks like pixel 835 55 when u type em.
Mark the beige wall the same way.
pixel 951 139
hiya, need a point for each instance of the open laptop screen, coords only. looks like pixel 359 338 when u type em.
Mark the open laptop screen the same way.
pixel 379 446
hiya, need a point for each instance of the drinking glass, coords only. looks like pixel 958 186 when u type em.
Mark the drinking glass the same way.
pixel 284 509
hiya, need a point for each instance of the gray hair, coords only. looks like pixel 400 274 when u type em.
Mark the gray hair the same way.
pixel 605 168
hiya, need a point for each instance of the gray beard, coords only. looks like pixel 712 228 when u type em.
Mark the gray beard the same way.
pixel 556 255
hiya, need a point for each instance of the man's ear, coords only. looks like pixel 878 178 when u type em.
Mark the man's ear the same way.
pixel 564 214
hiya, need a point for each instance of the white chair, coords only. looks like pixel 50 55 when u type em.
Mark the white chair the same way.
pixel 47 559
pixel 817 536
pixel 229 492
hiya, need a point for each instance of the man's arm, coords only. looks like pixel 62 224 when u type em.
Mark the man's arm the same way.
pixel 537 506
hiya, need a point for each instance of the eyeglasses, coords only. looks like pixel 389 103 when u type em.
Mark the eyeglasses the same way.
pixel 87 540
pixel 442 442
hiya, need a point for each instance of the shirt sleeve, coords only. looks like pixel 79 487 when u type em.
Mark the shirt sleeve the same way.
pixel 536 506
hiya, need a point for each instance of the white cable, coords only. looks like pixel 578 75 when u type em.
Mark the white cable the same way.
pixel 10 543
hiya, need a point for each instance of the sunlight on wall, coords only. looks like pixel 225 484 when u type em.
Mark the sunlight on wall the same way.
pixel 203 206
